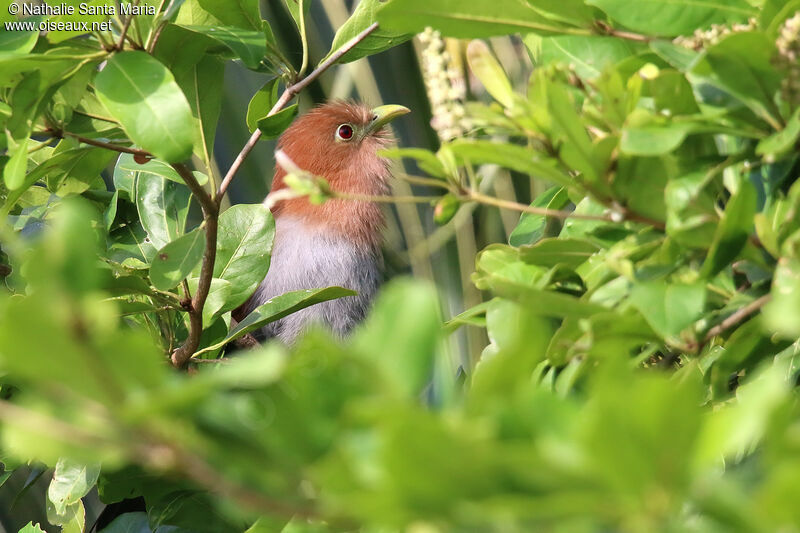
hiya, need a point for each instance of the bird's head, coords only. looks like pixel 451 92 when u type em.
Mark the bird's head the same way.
pixel 339 141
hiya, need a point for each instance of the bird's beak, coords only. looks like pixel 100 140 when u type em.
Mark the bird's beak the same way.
pixel 384 114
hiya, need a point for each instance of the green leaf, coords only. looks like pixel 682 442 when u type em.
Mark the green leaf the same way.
pixel 426 160
pixel 142 95
pixel 377 41
pixel 248 45
pixel 202 85
pixel 401 333
pixel 218 294
pixel 127 171
pixel 261 103
pixel 474 316
pixel 272 126
pixel 691 213
pixel 244 246
pixel 588 54
pixel 576 146
pixel 277 308
pixel 71 482
pixel 163 206
pixel 175 260
pixel 16 166
pixel 555 251
pixel 669 308
pixel 131 246
pixel 475 19
pixel 782 141
pixel 239 13
pixel 741 64
pixel 678 56
pixel 733 230
pixel 530 227
pixel 31 528
pixel 18 41
pixel 293 6
pixel 669 18
pixel 510 156
pixel 487 69
pixel 654 139
pixel 136 522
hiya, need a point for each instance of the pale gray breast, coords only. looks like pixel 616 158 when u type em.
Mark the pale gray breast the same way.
pixel 308 259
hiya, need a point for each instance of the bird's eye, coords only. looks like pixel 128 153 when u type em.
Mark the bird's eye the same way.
pixel 344 132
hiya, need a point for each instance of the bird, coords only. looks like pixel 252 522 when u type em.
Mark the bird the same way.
pixel 338 242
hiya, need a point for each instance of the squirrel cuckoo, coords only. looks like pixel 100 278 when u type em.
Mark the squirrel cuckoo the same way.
pixel 337 242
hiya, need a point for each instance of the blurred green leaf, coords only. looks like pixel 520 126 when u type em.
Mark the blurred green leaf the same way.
pixel 426 159
pixel 486 68
pixel 554 251
pixel 242 13
pixel 669 18
pixel 588 54
pixel 741 64
pixel 400 336
pixel 481 18
pixel 782 314
pixel 16 166
pixel 782 141
pixel 511 156
pixel 669 308
pixel 732 231
pixel 142 95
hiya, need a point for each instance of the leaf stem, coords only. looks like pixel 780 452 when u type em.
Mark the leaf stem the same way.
pixel 303 36
pixel 475 196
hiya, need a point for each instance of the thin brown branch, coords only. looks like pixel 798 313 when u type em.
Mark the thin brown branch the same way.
pixel 633 216
pixel 355 197
pixel 124 32
pixel 737 317
pixel 476 196
pixel 211 218
pixel 287 95
pixel 96 117
pixel 102 144
pixel 152 44
pixel 426 182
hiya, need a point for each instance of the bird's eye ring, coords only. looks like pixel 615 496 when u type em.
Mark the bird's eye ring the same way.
pixel 344 132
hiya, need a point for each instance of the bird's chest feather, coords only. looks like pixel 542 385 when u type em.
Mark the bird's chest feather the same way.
pixel 307 257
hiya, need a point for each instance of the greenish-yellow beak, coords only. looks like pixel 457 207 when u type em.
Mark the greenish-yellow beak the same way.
pixel 384 114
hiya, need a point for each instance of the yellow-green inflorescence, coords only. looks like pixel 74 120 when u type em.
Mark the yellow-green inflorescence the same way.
pixel 445 85
pixel 704 38
pixel 788 45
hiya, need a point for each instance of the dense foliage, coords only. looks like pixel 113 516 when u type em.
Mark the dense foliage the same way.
pixel 643 318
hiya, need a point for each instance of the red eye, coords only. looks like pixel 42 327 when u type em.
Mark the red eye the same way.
pixel 345 132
